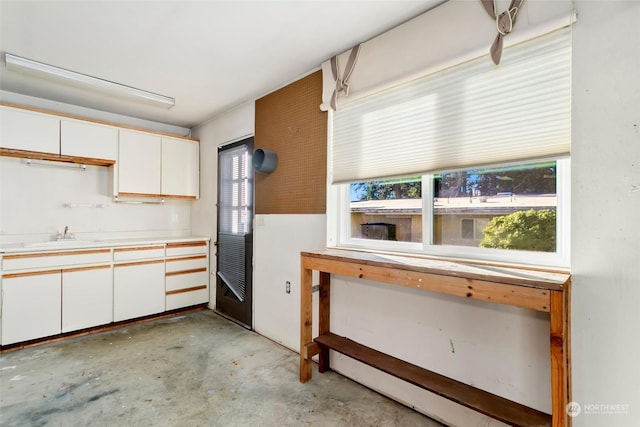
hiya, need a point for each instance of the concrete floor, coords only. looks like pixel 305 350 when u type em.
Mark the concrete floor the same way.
pixel 197 369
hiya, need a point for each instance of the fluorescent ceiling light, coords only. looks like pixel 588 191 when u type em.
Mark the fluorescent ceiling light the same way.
pixel 19 63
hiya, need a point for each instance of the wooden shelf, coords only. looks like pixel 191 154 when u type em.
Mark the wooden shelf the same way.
pixel 36 155
pixel 481 401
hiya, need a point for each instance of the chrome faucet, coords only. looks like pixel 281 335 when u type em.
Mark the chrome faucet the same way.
pixel 66 235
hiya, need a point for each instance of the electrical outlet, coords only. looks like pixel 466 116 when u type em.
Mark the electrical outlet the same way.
pixel 287 287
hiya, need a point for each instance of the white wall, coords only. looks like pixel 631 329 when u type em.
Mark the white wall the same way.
pixel 278 241
pixel 32 200
pixel 605 265
pixel 231 126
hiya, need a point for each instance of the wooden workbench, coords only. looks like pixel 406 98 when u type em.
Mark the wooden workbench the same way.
pixel 545 291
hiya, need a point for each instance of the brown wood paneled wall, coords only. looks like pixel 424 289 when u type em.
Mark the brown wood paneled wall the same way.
pixel 289 122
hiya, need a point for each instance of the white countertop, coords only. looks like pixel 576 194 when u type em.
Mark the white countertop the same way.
pixel 95 243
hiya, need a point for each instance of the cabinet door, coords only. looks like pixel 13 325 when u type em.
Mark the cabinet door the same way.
pixel 180 167
pixel 85 139
pixel 87 297
pixel 30 306
pixel 138 289
pixel 28 130
pixel 139 163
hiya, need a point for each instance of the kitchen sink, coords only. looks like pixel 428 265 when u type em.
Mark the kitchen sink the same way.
pixel 58 243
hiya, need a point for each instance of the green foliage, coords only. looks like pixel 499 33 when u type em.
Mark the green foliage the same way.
pixel 523 179
pixel 410 188
pixel 532 230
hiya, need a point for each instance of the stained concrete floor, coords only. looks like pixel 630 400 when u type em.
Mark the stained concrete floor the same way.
pixel 196 369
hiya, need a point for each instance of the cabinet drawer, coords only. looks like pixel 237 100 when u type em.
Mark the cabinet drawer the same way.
pixel 186 248
pixel 54 259
pixel 187 298
pixel 138 252
pixel 186 263
pixel 186 279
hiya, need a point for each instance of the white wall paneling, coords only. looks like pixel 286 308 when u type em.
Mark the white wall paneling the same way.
pixel 278 241
pixel 605 162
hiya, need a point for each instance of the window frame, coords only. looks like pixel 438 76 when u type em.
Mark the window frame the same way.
pixel 339 223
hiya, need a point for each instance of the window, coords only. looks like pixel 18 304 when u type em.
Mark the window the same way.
pixel 471 161
pixel 235 190
pixel 511 213
pixel 473 228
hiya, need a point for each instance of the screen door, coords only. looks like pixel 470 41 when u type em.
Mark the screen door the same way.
pixel 235 235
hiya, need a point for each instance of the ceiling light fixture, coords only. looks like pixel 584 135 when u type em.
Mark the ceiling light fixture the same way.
pixel 24 64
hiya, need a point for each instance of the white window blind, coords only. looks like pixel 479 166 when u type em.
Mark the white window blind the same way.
pixel 469 115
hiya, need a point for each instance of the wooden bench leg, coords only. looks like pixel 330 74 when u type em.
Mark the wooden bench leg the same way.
pixel 560 366
pixel 306 312
pixel 324 318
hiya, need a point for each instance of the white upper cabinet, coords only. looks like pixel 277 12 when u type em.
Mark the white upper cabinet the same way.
pixel 180 167
pixel 87 139
pixel 144 163
pixel 28 130
pixel 139 161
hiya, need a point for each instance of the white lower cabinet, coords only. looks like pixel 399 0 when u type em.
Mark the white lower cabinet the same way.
pixel 51 292
pixel 87 297
pixel 138 289
pixel 30 306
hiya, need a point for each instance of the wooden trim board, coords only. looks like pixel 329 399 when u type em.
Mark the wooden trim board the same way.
pixel 37 155
pixel 56 253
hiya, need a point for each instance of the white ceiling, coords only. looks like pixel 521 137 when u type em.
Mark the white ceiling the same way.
pixel 208 55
